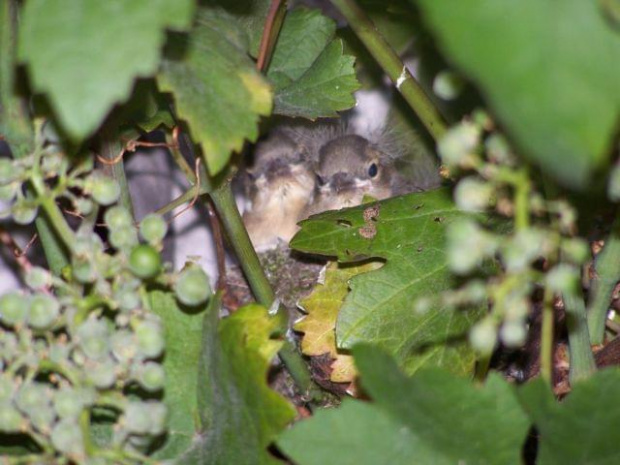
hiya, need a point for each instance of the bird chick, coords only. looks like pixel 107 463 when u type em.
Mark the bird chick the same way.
pixel 283 186
pixel 351 167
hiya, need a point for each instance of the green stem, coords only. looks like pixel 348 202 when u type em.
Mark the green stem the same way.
pixel 178 158
pixel 53 249
pixel 224 202
pixel 15 124
pixel 110 149
pixel 546 338
pixel 393 67
pixel 57 220
pixel 181 199
pixel 582 363
pixel 522 200
pixel 607 275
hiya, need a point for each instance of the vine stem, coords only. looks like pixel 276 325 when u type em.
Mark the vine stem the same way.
pixel 393 66
pixel 110 148
pixel 603 283
pixel 224 202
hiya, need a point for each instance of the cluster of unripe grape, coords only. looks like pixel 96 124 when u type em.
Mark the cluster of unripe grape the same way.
pixel 536 250
pixel 85 344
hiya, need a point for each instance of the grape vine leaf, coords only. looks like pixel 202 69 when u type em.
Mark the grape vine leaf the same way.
pixel 184 339
pixel 431 418
pixel 551 75
pixel 240 414
pixel 86 54
pixel 216 87
pixel 250 14
pixel 311 75
pixel 410 235
pixel 589 413
pixel 319 325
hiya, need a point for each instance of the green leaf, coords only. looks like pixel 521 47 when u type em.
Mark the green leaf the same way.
pixel 215 86
pixel 311 75
pixel 86 54
pixel 380 309
pixel 250 14
pixel 240 414
pixel 356 433
pixel 184 339
pixel 551 74
pixel 431 418
pixel 581 429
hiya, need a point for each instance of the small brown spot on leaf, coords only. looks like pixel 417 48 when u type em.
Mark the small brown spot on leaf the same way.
pixel 439 219
pixel 369 231
pixel 372 213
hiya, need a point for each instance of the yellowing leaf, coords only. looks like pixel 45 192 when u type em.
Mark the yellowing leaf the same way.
pixel 319 326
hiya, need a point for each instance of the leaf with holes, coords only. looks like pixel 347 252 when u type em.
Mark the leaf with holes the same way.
pixel 408 232
pixel 86 54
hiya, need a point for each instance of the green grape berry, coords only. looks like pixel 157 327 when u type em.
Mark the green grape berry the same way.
pixel 448 85
pixel 473 194
pixel 37 278
pixel 498 150
pixel 93 337
pixel 159 416
pixel 24 212
pixel 43 417
pixel 11 421
pixel 67 437
pixel 153 228
pixel 483 336
pixel 117 217
pixel 7 387
pixel 9 171
pixel 137 418
pixel 151 376
pixel 44 310
pixel 576 250
pixel 82 270
pixel 144 261
pixel 84 206
pixel 32 396
pixel 8 193
pixel 468 245
pixel 14 308
pixel 104 190
pixel 124 346
pixel 458 144
pixel 52 163
pixel 67 403
pixel 563 278
pixel 513 333
pixel 150 339
pixel 192 286
pixel 102 375
pixel 123 237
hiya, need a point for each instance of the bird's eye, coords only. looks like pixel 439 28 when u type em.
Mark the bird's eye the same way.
pixel 319 180
pixel 373 170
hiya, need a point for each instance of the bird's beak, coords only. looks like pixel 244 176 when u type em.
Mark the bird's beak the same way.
pixel 341 182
